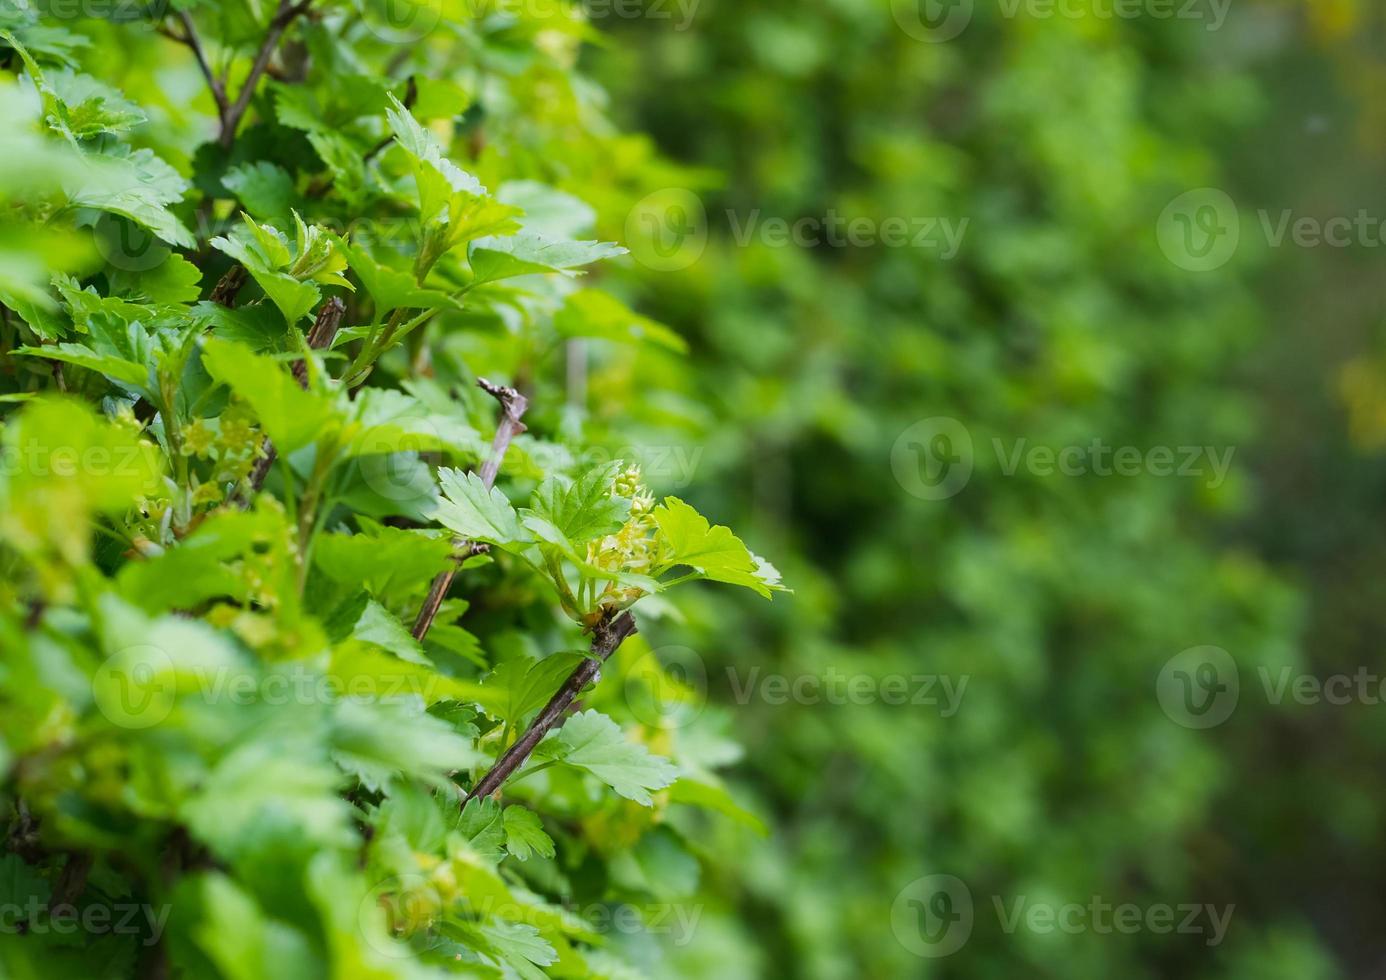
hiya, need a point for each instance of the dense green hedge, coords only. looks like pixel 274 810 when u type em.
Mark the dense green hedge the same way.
pixel 293 601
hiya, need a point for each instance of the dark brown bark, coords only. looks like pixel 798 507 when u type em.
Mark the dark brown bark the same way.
pixel 608 634
pixel 224 293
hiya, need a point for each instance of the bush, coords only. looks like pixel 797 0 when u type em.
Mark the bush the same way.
pixel 294 602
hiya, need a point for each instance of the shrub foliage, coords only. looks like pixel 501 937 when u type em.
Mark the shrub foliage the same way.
pixel 302 616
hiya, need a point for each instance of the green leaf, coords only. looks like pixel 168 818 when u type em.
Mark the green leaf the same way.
pixel 392 288
pixel 440 98
pixel 362 670
pixel 61 464
pixel 524 834
pixel 175 280
pixel 376 741
pixel 287 275
pixel 659 864
pixel 686 538
pixel 596 744
pixel 389 562
pixel 482 825
pixel 569 513
pixel 137 185
pixel 708 793
pixel 455 206
pixel 280 777
pixel 493 259
pixel 473 511
pixel 236 934
pixel 292 417
pixel 380 627
pixel 549 212
pixel 200 567
pixel 519 687
pixel 265 189
pixel 115 368
pixel 388 421
pixel 519 945
pixel 92 107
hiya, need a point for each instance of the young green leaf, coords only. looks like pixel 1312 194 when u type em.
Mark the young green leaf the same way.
pixel 524 834
pixel 570 513
pixel 686 538
pixel 475 512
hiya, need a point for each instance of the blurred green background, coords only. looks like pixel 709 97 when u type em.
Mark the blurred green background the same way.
pixel 1090 299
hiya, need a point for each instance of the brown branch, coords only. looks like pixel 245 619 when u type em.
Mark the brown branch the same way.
pixel 72 880
pixel 607 635
pixel 190 38
pixel 320 336
pixel 513 405
pixel 224 293
pixel 283 17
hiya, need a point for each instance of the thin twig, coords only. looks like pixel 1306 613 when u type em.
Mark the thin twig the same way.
pixel 190 38
pixel 513 405
pixel 607 635
pixel 283 17
pixel 321 335
pixel 224 293
pixel 72 881
pixel 323 331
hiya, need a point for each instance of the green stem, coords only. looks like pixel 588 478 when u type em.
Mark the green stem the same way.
pixel 531 770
